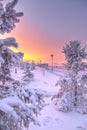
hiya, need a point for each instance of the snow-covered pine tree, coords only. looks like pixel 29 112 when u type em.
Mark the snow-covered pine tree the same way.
pixel 28 75
pixel 8 58
pixel 71 94
pixel 75 54
pixel 19 105
pixel 33 65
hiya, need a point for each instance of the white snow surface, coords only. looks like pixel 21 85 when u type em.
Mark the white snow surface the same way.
pixel 51 118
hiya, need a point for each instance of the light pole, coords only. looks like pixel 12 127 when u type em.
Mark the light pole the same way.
pixel 52 60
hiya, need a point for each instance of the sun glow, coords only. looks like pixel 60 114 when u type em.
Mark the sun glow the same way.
pixel 35 44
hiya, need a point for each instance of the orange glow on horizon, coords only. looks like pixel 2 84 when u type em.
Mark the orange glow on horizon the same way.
pixel 35 44
pixel 37 59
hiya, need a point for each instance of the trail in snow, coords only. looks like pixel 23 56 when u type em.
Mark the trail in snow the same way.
pixel 50 118
pixel 45 80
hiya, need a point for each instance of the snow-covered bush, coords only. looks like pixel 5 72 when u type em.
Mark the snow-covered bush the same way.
pixel 64 99
pixel 73 89
pixel 82 92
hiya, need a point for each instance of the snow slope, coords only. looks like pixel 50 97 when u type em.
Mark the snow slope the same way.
pixel 50 118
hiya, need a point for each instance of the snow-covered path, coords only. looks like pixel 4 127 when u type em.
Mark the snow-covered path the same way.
pixel 50 118
pixel 44 80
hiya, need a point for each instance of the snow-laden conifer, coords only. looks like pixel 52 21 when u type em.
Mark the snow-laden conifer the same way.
pixel 28 75
pixel 19 106
pixel 75 54
pixel 72 94
pixel 8 57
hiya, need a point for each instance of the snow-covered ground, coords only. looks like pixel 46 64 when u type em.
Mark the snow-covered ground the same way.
pixel 50 118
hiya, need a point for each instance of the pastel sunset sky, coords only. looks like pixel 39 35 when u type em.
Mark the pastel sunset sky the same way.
pixel 47 25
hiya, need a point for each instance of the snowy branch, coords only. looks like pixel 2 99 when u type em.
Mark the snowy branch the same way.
pixel 8 17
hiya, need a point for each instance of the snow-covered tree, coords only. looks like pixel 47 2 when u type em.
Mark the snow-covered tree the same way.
pixel 8 57
pixel 28 75
pixel 64 99
pixel 73 85
pixel 8 18
pixel 33 65
pixel 19 106
pixel 82 92
pixel 75 54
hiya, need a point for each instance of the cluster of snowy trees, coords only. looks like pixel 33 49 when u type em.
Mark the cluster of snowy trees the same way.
pixel 19 106
pixel 73 87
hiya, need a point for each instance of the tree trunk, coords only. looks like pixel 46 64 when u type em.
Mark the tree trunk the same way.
pixel 75 90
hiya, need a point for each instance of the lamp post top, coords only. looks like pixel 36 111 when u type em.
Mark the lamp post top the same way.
pixel 51 55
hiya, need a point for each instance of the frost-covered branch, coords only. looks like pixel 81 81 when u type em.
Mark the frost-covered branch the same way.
pixel 8 17
pixel 8 42
pixel 20 106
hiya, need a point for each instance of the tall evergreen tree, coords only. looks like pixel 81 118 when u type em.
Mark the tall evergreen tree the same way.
pixel 72 94
pixel 19 105
pixel 75 55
